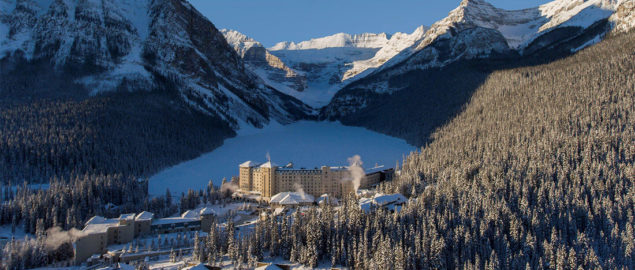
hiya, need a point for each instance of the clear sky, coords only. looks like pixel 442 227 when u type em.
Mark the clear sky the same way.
pixel 272 21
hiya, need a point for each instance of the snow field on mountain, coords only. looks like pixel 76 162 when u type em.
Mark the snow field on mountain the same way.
pixel 306 144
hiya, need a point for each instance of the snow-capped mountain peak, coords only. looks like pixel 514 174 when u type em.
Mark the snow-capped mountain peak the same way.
pixel 478 30
pixel 520 27
pixel 331 62
pixel 240 41
pixel 136 45
pixel 267 66
pixel 398 43
pixel 339 40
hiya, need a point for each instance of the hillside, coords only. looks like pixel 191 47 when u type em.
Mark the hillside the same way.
pixel 124 87
pixel 538 165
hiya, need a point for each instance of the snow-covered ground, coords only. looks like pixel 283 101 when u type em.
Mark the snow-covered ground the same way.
pixel 306 144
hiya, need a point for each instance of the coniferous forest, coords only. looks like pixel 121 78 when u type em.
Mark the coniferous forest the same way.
pixel 129 133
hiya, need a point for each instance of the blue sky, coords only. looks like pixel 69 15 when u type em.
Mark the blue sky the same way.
pixel 272 21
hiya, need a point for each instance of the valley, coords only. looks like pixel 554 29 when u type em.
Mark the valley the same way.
pixel 138 135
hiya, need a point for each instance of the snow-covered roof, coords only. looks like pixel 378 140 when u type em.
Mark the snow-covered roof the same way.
pixel 365 193
pixel 249 164
pixel 144 216
pixel 96 220
pixel 366 204
pixel 268 164
pixel 383 199
pixel 100 225
pixel 392 202
pixel 207 211
pixel 190 214
pixel 291 198
pixel 376 169
pixel 127 216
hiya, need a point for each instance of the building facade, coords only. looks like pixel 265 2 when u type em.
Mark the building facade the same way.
pixel 100 232
pixel 269 179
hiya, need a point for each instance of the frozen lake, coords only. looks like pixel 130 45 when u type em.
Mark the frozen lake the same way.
pixel 306 144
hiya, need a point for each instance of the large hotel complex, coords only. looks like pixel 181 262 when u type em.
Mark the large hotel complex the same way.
pixel 268 179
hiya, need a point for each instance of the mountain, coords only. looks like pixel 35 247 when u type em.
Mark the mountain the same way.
pixel 429 82
pixel 131 44
pixel 397 44
pixel 329 63
pixel 366 40
pixel 535 144
pixel 269 67
pixel 114 86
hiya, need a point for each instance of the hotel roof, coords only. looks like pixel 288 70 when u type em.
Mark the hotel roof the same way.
pixel 207 211
pixel 383 199
pixel 249 164
pixel 144 216
pixel 99 224
pixel 126 216
pixel 268 164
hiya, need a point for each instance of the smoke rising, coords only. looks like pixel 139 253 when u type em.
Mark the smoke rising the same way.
pixel 355 169
pixel 298 188
pixel 229 187
pixel 55 237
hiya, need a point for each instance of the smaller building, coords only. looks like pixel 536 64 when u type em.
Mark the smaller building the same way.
pixel 291 199
pixel 390 202
pixel 376 175
pixel 100 232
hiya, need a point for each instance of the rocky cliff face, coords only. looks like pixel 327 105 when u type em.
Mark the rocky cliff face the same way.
pixel 107 45
pixel 269 67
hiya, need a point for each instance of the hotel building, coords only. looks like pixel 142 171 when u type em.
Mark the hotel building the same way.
pixel 268 179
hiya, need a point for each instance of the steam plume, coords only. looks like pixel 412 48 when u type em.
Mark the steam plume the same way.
pixel 229 187
pixel 356 170
pixel 298 188
pixel 55 237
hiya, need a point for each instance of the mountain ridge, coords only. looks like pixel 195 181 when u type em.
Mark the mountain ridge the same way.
pixel 478 30
pixel 133 41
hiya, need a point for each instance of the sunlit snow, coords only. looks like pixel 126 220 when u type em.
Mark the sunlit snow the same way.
pixel 306 144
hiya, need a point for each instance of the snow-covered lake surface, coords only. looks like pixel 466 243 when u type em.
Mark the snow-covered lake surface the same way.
pixel 306 144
